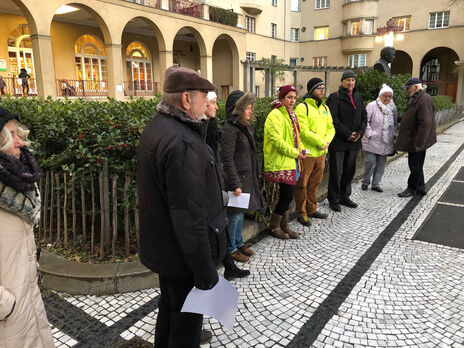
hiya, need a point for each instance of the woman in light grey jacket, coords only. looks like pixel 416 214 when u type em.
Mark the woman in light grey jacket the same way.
pixel 23 321
pixel 382 121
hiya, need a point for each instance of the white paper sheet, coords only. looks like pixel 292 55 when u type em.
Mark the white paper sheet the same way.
pixel 220 303
pixel 241 201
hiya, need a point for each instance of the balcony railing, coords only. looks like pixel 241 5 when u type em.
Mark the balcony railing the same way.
pixel 186 7
pixel 81 88
pixel 18 87
pixel 141 88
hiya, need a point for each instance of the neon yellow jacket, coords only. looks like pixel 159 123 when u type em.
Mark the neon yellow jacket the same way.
pixel 278 147
pixel 316 126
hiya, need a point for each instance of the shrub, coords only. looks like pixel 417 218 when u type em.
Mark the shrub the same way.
pixel 442 102
pixel 219 15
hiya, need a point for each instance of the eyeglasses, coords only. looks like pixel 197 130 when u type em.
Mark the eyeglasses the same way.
pixel 321 88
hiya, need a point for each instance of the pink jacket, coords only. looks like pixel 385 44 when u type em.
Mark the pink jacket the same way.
pixel 374 140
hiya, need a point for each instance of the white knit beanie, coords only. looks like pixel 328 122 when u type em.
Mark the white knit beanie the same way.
pixel 385 88
pixel 211 95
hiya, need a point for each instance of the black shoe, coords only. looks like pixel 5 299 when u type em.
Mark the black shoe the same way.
pixel 407 193
pixel 335 207
pixel 206 336
pixel 421 192
pixel 349 203
pixel 319 215
pixel 231 273
pixel 364 187
pixel 378 189
pixel 304 220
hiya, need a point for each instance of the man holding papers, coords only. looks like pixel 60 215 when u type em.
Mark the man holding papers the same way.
pixel 182 220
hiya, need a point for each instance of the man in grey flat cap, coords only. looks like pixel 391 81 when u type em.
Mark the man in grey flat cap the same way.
pixel 182 219
pixel 416 134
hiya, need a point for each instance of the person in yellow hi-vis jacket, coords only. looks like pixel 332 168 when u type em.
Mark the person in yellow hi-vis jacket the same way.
pixel 316 133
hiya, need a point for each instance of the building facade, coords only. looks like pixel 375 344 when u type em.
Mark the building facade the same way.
pixel 118 48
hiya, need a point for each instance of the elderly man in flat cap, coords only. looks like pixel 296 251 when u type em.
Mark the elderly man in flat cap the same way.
pixel 350 122
pixel 417 133
pixel 182 219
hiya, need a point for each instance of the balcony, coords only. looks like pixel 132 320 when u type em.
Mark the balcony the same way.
pixel 253 7
pixel 360 9
pixel 185 7
pixel 81 88
pixel 141 88
pixel 18 87
pixel 357 43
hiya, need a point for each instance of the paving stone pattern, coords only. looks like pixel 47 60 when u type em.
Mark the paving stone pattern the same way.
pixel 357 279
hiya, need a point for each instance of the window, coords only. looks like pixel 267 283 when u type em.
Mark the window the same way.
pixel 295 5
pixel 320 4
pixel 319 61
pixel 251 56
pixel 274 2
pixel 431 70
pixel 354 28
pixel 20 54
pixel 250 24
pixel 293 62
pixel 403 22
pixel 273 30
pixel 321 33
pixel 357 60
pixel 139 69
pixel 368 27
pixel 294 34
pixel 90 59
pixel 439 20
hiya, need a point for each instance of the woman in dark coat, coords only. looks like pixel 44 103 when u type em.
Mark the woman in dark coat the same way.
pixel 240 166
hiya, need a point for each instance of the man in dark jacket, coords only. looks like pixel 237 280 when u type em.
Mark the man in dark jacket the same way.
pixel 417 133
pixel 182 219
pixel 350 120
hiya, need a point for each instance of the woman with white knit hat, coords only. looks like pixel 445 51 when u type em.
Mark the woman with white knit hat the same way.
pixel 382 121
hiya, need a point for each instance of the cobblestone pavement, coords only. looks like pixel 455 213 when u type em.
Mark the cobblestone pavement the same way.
pixel 358 279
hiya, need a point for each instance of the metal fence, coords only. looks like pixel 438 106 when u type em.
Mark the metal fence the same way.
pixel 18 87
pixel 81 88
pixel 141 88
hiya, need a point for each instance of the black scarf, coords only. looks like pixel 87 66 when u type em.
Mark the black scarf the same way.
pixel 20 174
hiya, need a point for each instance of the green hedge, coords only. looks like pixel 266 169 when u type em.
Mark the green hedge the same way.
pixel 219 15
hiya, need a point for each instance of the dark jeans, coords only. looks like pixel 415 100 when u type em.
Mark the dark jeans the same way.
pixel 173 328
pixel 416 165
pixel 342 166
pixel 285 198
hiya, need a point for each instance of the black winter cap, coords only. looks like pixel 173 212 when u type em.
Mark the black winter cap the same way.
pixel 348 74
pixel 6 116
pixel 313 83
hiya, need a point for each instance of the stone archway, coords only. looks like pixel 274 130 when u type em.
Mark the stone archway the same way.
pixel 189 49
pixel 225 65
pixel 438 72
pixel 402 63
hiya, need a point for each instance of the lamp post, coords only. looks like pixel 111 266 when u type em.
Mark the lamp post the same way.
pixel 389 33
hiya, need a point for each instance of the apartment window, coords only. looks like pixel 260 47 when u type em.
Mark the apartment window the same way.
pixel 293 62
pixel 357 60
pixel 354 28
pixel 319 61
pixel 250 24
pixel 368 26
pixel 403 22
pixel 294 34
pixel 273 30
pixel 274 2
pixel 320 4
pixel 439 20
pixel 295 5
pixel 251 56
pixel 321 33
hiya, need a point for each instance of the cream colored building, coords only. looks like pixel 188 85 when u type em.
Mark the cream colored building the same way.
pixel 119 48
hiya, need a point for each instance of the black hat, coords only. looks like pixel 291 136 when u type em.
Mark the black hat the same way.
pixel 177 79
pixel 6 116
pixel 313 83
pixel 348 74
pixel 412 81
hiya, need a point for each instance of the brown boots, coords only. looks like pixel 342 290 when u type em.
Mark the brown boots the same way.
pixel 279 227
pixel 286 229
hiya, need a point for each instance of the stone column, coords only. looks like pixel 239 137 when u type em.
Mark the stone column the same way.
pixel 115 73
pixel 43 65
pixel 164 5
pixel 206 67
pixel 267 83
pixel 252 79
pixel 166 61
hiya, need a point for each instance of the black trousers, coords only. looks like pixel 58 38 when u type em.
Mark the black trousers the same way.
pixel 173 328
pixel 342 167
pixel 416 167
pixel 285 198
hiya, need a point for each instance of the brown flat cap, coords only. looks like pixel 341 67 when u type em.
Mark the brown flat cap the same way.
pixel 177 79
